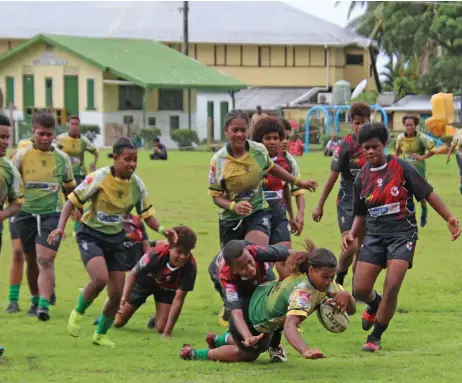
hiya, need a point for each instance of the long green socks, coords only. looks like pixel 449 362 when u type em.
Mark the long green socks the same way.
pixel 13 293
pixel 201 354
pixel 82 305
pixel 221 340
pixel 34 299
pixel 44 303
pixel 104 324
pixel 76 225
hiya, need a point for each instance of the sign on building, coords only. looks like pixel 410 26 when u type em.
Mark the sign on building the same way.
pixel 49 59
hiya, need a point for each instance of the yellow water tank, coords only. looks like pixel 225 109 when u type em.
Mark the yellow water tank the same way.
pixel 443 106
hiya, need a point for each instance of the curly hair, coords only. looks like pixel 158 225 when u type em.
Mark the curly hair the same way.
pixel 186 238
pixel 413 117
pixel 360 109
pixel 267 125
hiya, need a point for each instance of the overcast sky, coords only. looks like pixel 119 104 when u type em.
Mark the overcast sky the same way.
pixel 335 14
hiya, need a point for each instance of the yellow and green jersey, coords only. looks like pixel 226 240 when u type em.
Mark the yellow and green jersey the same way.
pixel 111 199
pixel 75 148
pixel 43 174
pixel 273 301
pixel 419 144
pixel 10 183
pixel 240 179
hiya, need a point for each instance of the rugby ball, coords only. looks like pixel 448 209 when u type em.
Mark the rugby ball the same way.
pixel 331 320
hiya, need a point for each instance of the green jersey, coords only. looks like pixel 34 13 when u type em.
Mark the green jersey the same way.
pixel 240 179
pixel 419 144
pixel 75 149
pixel 273 301
pixel 44 174
pixel 10 183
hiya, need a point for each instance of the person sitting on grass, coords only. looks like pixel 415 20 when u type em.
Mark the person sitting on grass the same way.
pixel 280 305
pixel 167 272
pixel 159 151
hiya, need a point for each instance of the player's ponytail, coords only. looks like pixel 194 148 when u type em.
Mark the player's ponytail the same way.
pixel 311 257
pixel 121 144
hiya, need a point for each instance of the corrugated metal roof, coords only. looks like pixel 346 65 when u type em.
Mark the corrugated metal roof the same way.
pixel 267 98
pixel 411 103
pixel 232 22
pixel 147 63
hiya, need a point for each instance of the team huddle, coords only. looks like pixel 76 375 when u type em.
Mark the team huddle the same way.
pixel 268 289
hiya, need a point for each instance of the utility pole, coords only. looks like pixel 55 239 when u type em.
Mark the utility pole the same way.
pixel 186 50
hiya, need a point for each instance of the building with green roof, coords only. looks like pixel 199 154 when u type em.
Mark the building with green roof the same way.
pixel 118 84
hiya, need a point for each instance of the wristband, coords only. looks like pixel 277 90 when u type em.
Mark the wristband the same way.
pixel 297 180
pixel 161 230
pixel 231 206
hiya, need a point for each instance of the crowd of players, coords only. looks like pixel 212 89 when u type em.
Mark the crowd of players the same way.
pixel 252 180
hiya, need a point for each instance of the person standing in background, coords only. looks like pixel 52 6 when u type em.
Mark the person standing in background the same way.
pixel 255 118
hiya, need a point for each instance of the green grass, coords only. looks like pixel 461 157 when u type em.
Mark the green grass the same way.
pixel 423 342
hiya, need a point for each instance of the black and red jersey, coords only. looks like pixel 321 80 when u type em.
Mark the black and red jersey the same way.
pixel 385 196
pixel 154 267
pixel 235 287
pixel 273 188
pixel 348 159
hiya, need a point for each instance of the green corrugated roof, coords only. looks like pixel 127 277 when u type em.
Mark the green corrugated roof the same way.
pixel 144 62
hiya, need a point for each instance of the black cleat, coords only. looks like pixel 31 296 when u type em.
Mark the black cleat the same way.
pixel 152 322
pixel 32 312
pixel 53 299
pixel 43 314
pixel 1 350
pixel 13 308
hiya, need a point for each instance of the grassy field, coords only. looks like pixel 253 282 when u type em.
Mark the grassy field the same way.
pixel 415 348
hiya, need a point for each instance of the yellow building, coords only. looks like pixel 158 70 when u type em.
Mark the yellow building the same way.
pixel 285 55
pixel 106 82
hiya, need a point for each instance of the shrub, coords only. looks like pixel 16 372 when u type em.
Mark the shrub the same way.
pixel 149 135
pixel 185 138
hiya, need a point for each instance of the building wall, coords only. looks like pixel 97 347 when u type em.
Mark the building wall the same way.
pixel 283 66
pixel 22 64
pixel 7 44
pixel 202 112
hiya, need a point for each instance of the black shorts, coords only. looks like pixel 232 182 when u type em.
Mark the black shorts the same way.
pixel 380 250
pixel 258 221
pixel 345 216
pixel 133 253
pixel 93 243
pixel 279 225
pixel 14 233
pixel 459 162
pixel 262 346
pixel 78 179
pixel 141 292
pixel 34 229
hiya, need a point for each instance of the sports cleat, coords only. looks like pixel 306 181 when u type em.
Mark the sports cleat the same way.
pixel 423 217
pixel 2 350
pixel 102 340
pixel 152 322
pixel 223 317
pixel 73 324
pixel 43 314
pixel 53 299
pixel 210 339
pixel 187 352
pixel 13 308
pixel 32 312
pixel 277 355
pixel 371 345
pixel 368 320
